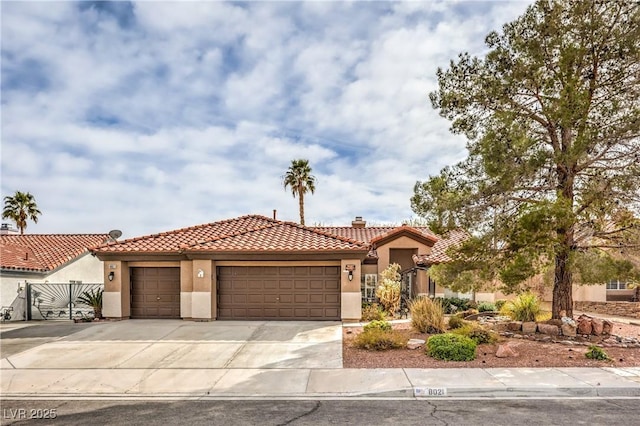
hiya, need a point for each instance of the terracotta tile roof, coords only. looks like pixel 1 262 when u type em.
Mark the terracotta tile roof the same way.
pixel 246 233
pixel 367 234
pixel 175 241
pixel 284 236
pixel 439 250
pixel 42 253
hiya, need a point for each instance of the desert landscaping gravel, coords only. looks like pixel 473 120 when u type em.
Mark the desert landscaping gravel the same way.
pixel 529 353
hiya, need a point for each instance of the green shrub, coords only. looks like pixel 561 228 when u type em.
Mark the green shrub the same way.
pixel 452 305
pixel 477 333
pixel 525 307
pixel 427 316
pixel 377 324
pixel 376 339
pixel 372 312
pixel 499 304
pixel 595 352
pixel 456 322
pixel 486 307
pixel 451 347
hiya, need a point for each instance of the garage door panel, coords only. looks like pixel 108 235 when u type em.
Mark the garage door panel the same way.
pixel 296 292
pixel 301 284
pixel 285 285
pixel 285 298
pixel 317 285
pixel 316 312
pixel 316 298
pixel 331 285
pixel 331 298
pixel 331 312
pixel 270 284
pixel 301 271
pixel 305 298
pixel 255 298
pixel 239 298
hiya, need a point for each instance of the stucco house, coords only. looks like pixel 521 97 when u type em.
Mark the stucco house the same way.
pixel 53 258
pixel 255 267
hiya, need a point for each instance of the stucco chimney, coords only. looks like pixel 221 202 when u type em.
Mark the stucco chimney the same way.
pixel 358 223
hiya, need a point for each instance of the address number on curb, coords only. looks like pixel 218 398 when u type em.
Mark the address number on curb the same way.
pixel 430 392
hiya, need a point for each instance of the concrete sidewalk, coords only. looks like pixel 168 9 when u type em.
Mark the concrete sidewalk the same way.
pixel 318 383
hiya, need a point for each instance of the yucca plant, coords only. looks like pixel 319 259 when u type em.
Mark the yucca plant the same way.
pixel 388 291
pixel 93 298
pixel 525 307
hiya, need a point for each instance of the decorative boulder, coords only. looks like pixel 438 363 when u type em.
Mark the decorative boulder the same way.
pixel 415 343
pixel 607 326
pixel 514 326
pixel 506 351
pixel 529 327
pixel 597 326
pixel 500 327
pixel 549 329
pixel 569 330
pixel 584 325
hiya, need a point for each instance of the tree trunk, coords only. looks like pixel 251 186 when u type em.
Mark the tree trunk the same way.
pixel 562 286
pixel 301 203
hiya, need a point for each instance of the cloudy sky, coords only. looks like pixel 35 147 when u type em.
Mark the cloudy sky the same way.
pixel 149 116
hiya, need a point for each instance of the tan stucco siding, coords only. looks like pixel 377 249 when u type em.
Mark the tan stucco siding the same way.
pixel 350 297
pixel 403 242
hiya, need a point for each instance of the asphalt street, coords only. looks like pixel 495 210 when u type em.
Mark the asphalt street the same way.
pixel 572 412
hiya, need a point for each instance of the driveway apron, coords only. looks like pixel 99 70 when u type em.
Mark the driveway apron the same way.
pixel 176 344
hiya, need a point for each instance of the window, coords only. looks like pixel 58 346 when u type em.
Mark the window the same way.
pixel 368 287
pixel 616 285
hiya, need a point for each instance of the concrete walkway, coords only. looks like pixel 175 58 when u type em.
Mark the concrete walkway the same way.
pixel 185 360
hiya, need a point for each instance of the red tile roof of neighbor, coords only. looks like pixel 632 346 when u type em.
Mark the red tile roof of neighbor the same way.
pixel 245 233
pixel 42 253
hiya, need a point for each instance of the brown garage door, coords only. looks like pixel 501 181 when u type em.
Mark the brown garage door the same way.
pixel 155 292
pixel 282 293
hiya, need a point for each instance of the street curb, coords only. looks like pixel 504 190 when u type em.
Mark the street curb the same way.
pixel 409 393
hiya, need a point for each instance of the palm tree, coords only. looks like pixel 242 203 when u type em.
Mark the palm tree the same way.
pixel 19 208
pixel 301 181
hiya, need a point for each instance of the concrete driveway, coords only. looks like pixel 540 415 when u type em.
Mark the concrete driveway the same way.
pixel 175 344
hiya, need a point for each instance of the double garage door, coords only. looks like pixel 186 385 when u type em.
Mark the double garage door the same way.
pixel 245 292
pixel 279 292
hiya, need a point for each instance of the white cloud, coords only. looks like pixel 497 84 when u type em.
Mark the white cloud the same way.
pixel 171 114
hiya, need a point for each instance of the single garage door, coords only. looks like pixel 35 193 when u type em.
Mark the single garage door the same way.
pixel 279 293
pixel 155 292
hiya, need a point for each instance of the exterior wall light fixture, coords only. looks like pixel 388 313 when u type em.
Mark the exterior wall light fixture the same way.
pixel 350 268
pixel 111 275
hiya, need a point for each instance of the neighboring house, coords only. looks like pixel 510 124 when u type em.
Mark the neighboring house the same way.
pixel 53 258
pixel 254 267
pixel 614 290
